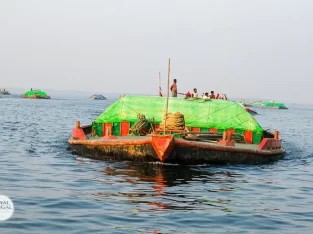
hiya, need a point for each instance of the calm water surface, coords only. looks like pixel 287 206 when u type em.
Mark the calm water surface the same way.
pixel 55 191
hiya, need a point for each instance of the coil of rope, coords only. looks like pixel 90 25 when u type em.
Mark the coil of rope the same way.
pixel 174 121
pixel 141 127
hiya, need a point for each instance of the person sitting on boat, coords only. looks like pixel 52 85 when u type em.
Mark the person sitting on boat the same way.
pixel 174 88
pixel 212 96
pixel 195 94
pixel 188 95
pixel 224 97
pixel 206 96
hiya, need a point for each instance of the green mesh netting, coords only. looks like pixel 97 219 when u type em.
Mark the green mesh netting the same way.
pixel 36 92
pixel 201 113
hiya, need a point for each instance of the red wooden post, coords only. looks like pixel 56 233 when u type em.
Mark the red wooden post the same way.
pixel 194 129
pixel 108 132
pixel 78 133
pixel 229 137
pixel 248 136
pixel 124 130
pixel 276 134
pixel 226 141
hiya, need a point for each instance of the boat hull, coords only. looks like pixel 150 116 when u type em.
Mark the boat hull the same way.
pixel 183 152
pixel 252 112
pixel 35 97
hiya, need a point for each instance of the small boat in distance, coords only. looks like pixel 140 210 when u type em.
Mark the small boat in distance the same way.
pixel 252 112
pixel 260 104
pixel 274 105
pixel 35 94
pixel 98 97
pixel 4 92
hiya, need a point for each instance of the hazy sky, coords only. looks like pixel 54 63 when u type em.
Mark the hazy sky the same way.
pixel 244 48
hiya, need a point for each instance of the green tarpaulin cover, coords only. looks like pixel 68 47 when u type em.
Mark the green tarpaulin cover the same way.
pixel 35 92
pixel 274 104
pixel 201 113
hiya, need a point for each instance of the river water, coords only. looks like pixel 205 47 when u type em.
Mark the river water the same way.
pixel 54 191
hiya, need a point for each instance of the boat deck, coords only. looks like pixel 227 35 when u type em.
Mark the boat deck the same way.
pixel 119 138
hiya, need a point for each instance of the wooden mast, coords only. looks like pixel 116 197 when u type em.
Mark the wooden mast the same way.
pixel 160 84
pixel 167 94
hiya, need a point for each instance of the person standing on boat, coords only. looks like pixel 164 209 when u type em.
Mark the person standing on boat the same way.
pixel 174 88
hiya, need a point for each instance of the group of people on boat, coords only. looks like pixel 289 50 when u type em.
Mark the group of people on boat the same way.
pixel 195 95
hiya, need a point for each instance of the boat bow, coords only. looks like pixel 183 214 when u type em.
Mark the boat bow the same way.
pixel 163 145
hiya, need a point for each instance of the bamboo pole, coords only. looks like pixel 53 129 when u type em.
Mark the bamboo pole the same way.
pixel 167 94
pixel 159 83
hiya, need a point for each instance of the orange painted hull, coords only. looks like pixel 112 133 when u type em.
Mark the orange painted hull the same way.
pixel 163 145
pixel 168 149
pixel 34 97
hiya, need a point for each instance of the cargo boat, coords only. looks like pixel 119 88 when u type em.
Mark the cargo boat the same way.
pixel 270 104
pixel 252 112
pixel 97 97
pixel 137 128
pixel 4 92
pixel 35 94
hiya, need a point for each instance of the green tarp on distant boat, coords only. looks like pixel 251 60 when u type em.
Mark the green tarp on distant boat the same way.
pixel 35 92
pixel 201 113
pixel 275 104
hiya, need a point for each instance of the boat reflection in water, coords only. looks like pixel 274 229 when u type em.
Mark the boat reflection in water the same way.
pixel 169 187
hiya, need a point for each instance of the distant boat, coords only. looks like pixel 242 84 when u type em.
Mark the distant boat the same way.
pixel 4 92
pixel 35 94
pixel 97 97
pixel 274 105
pixel 252 112
pixel 270 105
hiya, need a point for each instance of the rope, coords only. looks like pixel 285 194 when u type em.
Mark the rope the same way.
pixel 174 121
pixel 141 127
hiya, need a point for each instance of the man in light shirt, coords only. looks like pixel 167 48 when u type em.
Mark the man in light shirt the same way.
pixel 206 96
pixel 195 94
